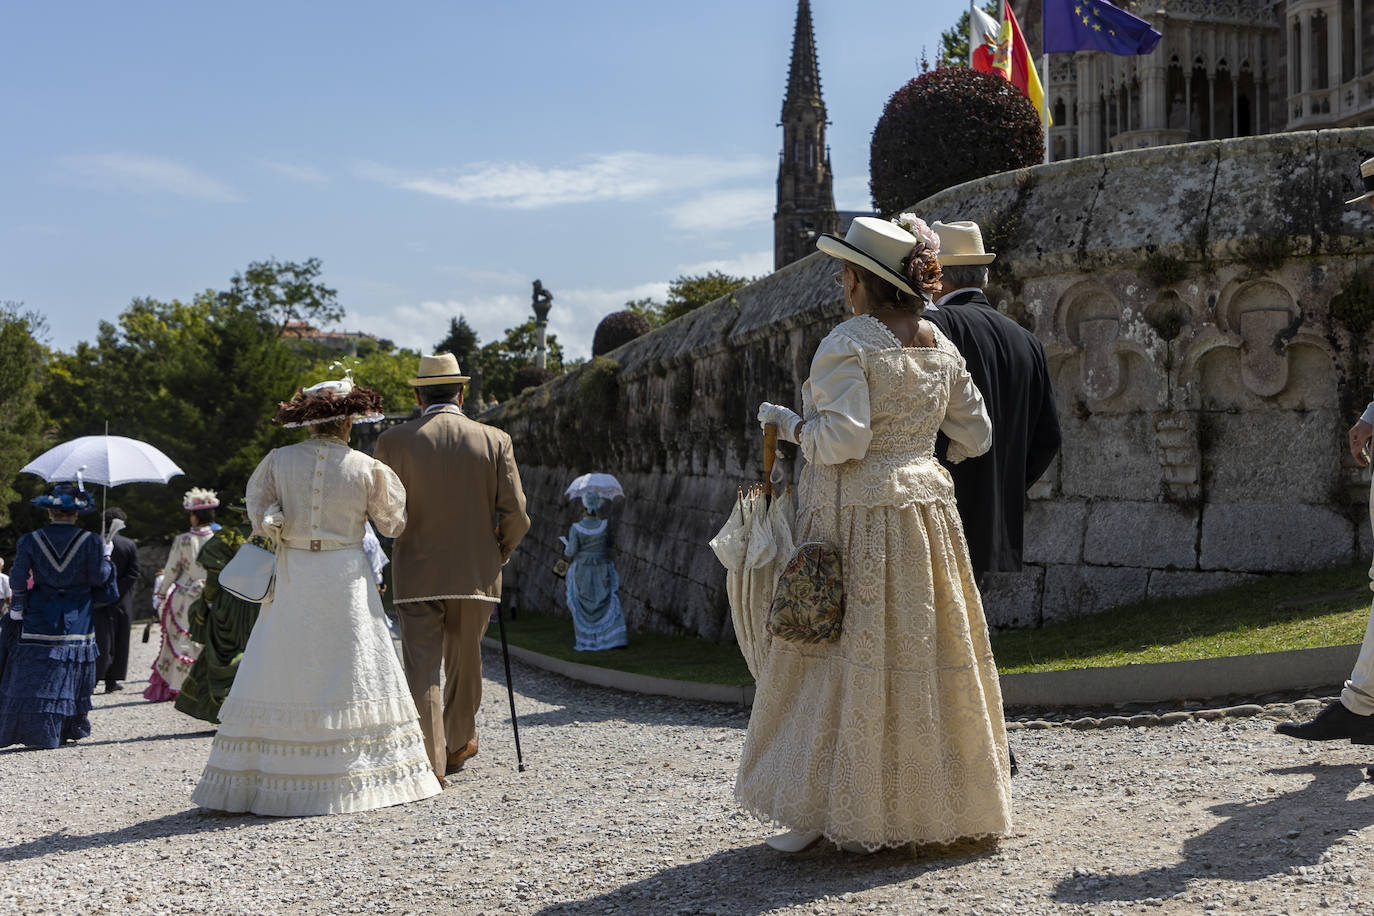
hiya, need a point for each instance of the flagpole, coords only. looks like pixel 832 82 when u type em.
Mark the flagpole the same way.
pixel 971 46
pixel 1045 99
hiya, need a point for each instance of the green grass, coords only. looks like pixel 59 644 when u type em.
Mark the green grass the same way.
pixel 1301 611
pixel 680 658
pixel 1325 608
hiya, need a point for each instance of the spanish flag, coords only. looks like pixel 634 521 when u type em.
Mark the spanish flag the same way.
pixel 1014 63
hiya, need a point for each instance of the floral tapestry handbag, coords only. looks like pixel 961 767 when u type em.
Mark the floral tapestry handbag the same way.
pixel 560 568
pixel 808 606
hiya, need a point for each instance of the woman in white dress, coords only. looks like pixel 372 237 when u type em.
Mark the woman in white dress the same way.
pixel 182 581
pixel 893 734
pixel 320 719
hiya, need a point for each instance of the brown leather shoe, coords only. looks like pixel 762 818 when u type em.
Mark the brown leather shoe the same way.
pixel 459 757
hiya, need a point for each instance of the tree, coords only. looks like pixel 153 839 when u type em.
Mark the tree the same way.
pixel 22 363
pixel 498 361
pixel 685 294
pixel 946 127
pixel 954 49
pixel 283 292
pixel 648 309
pixel 387 372
pixel 461 341
pixel 618 328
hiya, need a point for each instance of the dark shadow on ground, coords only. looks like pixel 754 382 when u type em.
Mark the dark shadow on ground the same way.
pixel 104 706
pixel 757 879
pixel 1321 812
pixel 183 823
pixel 601 704
pixel 173 736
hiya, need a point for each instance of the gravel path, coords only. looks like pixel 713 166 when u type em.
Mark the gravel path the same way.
pixel 626 807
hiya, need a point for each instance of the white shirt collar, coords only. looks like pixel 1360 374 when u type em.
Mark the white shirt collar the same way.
pixel 967 289
pixel 442 408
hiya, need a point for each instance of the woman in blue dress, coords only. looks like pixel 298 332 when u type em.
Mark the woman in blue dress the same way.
pixel 49 651
pixel 593 584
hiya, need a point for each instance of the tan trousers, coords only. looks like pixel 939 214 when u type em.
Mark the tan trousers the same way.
pixel 447 633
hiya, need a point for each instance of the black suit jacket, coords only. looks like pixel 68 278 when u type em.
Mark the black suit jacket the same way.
pixel 1009 367
pixel 125 560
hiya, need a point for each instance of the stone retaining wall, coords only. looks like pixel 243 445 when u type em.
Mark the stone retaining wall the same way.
pixel 1204 380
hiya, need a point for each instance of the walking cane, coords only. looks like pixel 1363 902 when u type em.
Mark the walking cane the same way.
pixel 770 455
pixel 510 690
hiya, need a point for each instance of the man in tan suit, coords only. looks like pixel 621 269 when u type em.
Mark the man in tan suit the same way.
pixel 465 515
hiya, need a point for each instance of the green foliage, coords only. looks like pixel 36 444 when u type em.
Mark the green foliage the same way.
pixel 22 364
pixel 284 291
pixel 1162 271
pixel 618 329
pixel 686 294
pixel 947 127
pixel 388 372
pixel 199 380
pixel 954 49
pixel 647 309
pixel 1265 253
pixel 461 341
pixel 599 388
pixel 527 377
pixel 497 362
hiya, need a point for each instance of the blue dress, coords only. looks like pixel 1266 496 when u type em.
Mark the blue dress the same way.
pixel 593 588
pixel 47 660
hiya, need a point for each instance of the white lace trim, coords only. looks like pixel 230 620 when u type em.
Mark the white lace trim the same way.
pixel 487 598
pixel 362 715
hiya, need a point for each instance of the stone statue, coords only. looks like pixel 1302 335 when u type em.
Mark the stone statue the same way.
pixel 542 301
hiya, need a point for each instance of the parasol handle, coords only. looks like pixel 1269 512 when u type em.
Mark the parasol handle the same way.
pixel 770 454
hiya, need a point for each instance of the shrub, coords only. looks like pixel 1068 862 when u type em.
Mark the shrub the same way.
pixel 530 377
pixel 618 328
pixel 946 127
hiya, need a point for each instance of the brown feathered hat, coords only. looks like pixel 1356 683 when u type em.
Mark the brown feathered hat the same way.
pixel 328 402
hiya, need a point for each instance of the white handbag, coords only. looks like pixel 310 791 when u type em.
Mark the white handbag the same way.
pixel 250 573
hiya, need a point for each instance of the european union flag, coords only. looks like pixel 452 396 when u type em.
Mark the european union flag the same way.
pixel 1095 25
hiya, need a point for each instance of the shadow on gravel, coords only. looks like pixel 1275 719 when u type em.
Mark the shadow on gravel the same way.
pixel 1255 841
pixel 183 823
pixel 173 736
pixel 757 879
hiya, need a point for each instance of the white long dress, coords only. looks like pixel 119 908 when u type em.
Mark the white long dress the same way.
pixel 894 733
pixel 320 719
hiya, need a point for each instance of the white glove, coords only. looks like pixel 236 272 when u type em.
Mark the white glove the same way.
pixel 106 548
pixel 785 420
pixel 16 614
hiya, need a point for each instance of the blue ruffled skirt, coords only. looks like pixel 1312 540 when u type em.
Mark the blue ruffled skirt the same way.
pixel 46 683
pixel 593 593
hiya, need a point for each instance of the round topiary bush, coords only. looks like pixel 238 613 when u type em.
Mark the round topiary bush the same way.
pixel 616 329
pixel 946 127
pixel 530 377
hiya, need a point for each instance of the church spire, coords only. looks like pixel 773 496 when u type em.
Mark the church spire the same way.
pixel 804 76
pixel 806 199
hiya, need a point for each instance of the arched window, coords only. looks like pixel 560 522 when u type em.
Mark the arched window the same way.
pixel 1059 113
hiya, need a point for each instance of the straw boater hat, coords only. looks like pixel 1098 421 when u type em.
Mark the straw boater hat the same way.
pixel 439 369
pixel 331 401
pixel 199 498
pixel 876 244
pixel 1367 179
pixel 961 242
pixel 66 497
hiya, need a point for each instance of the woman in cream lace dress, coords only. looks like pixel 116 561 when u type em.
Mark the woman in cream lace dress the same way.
pixel 319 719
pixel 183 578
pixel 893 734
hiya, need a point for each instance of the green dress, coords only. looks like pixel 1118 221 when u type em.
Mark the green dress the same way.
pixel 220 622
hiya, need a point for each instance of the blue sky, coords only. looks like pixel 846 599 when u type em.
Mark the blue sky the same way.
pixel 437 157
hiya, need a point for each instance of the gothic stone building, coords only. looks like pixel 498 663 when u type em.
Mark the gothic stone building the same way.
pixel 1224 68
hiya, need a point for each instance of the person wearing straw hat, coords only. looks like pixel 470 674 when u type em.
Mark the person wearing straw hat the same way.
pixel 319 719
pixel 467 515
pixel 48 650
pixel 182 581
pixel 1009 367
pixel 1352 715
pixel 893 734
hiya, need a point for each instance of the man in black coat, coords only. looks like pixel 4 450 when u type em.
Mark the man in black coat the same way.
pixel 1009 367
pixel 112 621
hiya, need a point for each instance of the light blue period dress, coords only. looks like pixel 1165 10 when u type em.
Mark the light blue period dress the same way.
pixel 593 587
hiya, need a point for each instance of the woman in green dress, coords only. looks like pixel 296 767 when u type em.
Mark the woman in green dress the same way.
pixel 222 623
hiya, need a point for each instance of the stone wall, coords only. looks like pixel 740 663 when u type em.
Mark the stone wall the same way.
pixel 1204 378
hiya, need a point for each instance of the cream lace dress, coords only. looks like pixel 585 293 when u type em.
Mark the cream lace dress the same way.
pixel 319 719
pixel 894 733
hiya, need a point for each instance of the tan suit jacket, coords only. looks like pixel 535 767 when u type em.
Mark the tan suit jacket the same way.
pixel 464 505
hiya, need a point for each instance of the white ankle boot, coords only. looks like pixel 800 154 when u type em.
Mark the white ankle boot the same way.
pixel 793 840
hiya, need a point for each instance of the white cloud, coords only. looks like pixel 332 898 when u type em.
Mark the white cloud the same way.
pixel 719 211
pixel 749 264
pixel 144 174
pixel 611 176
pixel 303 174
